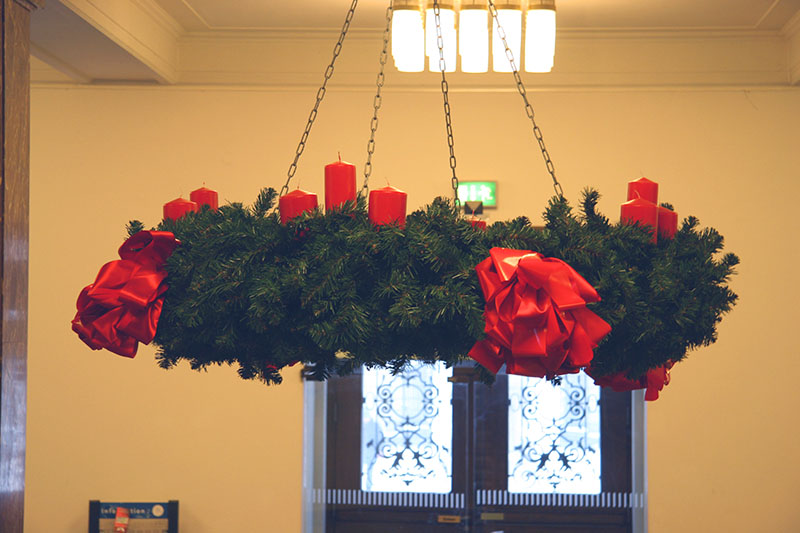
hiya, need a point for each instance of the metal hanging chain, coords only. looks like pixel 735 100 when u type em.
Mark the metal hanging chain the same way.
pixel 378 100
pixel 528 107
pixel 320 95
pixel 446 98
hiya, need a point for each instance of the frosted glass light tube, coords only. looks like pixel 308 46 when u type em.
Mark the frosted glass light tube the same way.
pixel 540 39
pixel 447 18
pixel 511 21
pixel 473 39
pixel 408 40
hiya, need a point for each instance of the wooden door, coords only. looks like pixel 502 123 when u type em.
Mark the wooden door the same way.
pixel 480 500
pixel 496 509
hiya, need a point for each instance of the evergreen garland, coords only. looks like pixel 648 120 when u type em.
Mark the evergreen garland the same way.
pixel 245 289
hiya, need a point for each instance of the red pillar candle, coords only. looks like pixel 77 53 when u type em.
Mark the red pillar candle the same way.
pixel 340 184
pixel 387 206
pixel 178 207
pixel 479 224
pixel 667 222
pixel 641 211
pixel 643 188
pixel 203 196
pixel 295 204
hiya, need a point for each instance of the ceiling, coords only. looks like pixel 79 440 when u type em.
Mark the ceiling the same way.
pixel 283 43
pixel 204 15
pixel 62 38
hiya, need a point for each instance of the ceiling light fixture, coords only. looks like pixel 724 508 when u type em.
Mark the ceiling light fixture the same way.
pixel 540 35
pixel 509 15
pixel 473 35
pixel 408 36
pixel 414 35
pixel 447 19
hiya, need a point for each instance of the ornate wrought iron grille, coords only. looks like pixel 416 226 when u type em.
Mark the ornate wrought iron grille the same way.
pixel 407 429
pixel 553 436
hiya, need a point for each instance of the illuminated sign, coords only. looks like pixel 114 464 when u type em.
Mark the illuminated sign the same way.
pixel 478 191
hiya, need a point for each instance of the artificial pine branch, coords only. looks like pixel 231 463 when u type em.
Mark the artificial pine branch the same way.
pixel 134 227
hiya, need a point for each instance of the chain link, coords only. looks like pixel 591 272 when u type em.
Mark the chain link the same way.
pixel 320 95
pixel 446 98
pixel 378 100
pixel 528 107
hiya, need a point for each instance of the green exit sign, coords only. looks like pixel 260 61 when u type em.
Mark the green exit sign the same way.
pixel 478 191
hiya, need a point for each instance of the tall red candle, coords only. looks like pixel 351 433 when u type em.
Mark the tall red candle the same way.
pixel 667 222
pixel 203 196
pixel 641 211
pixel 178 207
pixel 643 188
pixel 340 184
pixel 387 206
pixel 295 204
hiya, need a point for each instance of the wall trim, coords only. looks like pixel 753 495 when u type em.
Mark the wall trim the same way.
pixel 583 59
pixel 313 34
pixel 586 59
pixel 110 86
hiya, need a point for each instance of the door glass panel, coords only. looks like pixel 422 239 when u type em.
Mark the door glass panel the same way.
pixel 407 429
pixel 554 435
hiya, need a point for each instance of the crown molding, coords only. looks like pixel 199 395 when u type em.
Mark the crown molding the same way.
pixel 583 59
pixel 586 59
pixel 268 34
pixel 301 33
pixel 45 85
pixel 665 33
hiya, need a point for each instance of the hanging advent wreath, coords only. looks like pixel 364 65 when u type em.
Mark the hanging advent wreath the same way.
pixel 363 284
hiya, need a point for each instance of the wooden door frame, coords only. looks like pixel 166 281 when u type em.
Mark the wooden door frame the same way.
pixel 14 209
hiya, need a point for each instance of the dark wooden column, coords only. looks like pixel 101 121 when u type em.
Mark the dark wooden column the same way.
pixel 14 160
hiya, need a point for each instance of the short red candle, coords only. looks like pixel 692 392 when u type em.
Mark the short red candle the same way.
pixel 479 224
pixel 643 188
pixel 340 184
pixel 667 223
pixel 641 211
pixel 203 196
pixel 178 207
pixel 387 206
pixel 295 204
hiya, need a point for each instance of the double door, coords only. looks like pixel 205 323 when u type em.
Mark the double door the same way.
pixel 429 451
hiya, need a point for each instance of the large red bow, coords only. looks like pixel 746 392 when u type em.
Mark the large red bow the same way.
pixel 537 322
pixel 654 381
pixel 123 305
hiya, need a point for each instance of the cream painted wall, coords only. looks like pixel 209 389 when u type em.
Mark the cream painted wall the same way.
pixel 722 440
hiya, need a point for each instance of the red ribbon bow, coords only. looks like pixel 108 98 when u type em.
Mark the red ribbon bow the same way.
pixel 123 305
pixel 537 322
pixel 654 381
